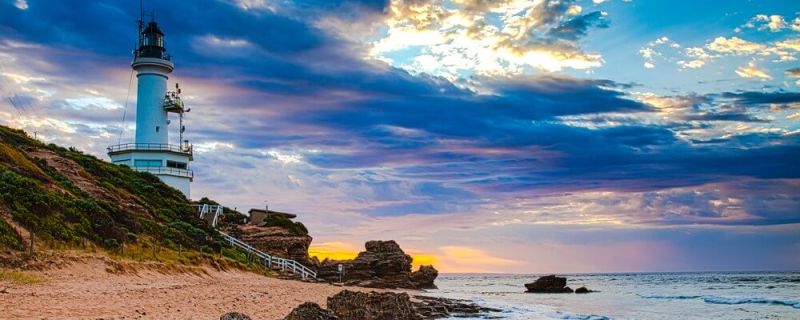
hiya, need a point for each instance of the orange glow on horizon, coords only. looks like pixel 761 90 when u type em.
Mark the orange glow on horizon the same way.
pixel 333 251
pixel 344 251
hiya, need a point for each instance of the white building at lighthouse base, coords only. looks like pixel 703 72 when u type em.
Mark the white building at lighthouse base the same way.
pixel 168 162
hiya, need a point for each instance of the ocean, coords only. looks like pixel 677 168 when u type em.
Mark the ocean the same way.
pixel 702 295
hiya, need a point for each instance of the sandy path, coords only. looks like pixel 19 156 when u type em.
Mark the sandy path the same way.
pixel 88 291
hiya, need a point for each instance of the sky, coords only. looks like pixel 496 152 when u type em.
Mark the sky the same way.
pixel 483 136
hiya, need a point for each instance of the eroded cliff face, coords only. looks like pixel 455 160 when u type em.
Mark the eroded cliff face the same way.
pixel 382 265
pixel 276 241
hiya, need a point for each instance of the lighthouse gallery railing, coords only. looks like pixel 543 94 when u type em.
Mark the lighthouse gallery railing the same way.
pixel 150 147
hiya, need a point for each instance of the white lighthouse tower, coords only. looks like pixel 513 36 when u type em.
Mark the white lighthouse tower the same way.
pixel 151 151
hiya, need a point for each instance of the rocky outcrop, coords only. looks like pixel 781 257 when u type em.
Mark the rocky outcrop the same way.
pixel 275 241
pixel 382 265
pixel 310 311
pixel 424 277
pixel 234 316
pixel 549 284
pixel 583 290
pixel 350 305
pixel 438 308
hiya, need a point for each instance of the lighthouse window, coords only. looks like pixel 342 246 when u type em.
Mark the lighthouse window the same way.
pixel 176 164
pixel 147 163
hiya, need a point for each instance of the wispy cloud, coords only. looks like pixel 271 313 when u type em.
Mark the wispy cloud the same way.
pixel 752 71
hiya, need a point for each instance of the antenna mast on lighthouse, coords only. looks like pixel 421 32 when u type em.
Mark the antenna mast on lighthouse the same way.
pixel 140 22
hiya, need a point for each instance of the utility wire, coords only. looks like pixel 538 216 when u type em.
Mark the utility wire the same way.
pixel 10 95
pixel 125 111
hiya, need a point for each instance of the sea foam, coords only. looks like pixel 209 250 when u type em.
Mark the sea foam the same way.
pixel 670 296
pixel 757 300
pixel 727 300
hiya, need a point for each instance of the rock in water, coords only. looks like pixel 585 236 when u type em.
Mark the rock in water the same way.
pixel 583 290
pixel 382 265
pixel 234 316
pixel 310 311
pixel 424 277
pixel 438 308
pixel 549 284
pixel 349 305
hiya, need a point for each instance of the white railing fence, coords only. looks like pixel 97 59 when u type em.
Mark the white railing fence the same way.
pixel 269 261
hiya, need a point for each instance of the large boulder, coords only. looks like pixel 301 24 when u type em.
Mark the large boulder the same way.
pixel 424 277
pixel 549 284
pixel 310 311
pixel 382 265
pixel 385 258
pixel 350 305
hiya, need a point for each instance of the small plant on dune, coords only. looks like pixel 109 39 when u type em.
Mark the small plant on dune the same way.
pixel 19 277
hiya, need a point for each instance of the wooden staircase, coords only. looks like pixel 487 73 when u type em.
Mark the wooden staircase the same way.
pixel 211 214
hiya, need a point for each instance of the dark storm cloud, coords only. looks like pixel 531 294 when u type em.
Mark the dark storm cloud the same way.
pixel 762 99
pixel 722 116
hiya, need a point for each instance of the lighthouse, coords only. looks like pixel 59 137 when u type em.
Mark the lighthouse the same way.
pixel 152 151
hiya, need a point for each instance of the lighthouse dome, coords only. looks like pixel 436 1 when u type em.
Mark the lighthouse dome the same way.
pixel 151 42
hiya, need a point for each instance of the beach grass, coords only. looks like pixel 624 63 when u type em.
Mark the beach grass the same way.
pixel 20 277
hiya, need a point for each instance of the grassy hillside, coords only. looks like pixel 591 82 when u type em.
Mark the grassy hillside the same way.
pixel 70 198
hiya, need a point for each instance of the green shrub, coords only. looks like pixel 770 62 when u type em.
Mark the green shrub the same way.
pixel 9 237
pixel 111 243
pixel 47 202
pixel 276 220
pixel 234 255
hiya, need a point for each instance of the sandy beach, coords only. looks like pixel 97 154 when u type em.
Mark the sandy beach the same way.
pixel 97 288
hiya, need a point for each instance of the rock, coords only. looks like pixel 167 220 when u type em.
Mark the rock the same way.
pixel 377 284
pixel 424 277
pixel 310 311
pixel 275 241
pixel 234 316
pixel 382 265
pixel 583 290
pixel 437 308
pixel 549 284
pixel 350 305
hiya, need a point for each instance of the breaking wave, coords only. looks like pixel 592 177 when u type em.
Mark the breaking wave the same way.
pixel 669 297
pixel 581 317
pixel 743 300
pixel 728 300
